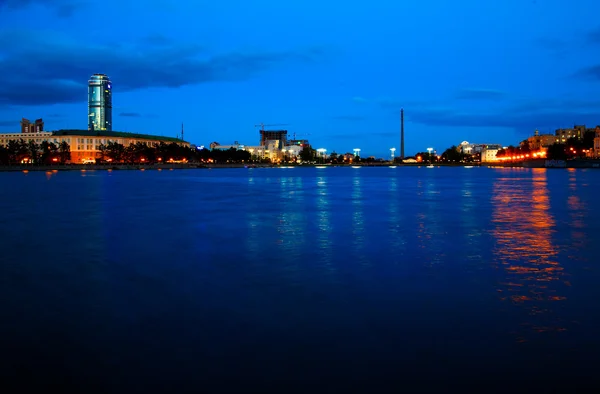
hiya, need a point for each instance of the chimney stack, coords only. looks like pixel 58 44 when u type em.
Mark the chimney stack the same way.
pixel 402 134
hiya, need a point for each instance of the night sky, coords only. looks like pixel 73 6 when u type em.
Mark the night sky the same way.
pixel 482 71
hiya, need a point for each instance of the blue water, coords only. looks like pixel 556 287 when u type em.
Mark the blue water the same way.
pixel 300 280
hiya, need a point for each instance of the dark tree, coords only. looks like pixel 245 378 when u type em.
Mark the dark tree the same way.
pixel 64 152
pixel 557 152
pixel 452 154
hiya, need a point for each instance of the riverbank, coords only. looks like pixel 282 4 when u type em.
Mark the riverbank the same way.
pixel 186 166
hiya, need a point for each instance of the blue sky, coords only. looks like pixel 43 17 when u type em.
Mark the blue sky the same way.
pixel 335 72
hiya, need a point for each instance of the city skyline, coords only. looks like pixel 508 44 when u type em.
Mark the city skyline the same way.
pixel 339 72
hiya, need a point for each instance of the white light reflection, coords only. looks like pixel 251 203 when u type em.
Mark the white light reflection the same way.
pixel 291 223
pixel 253 220
pixel 398 243
pixel 358 221
pixel 324 223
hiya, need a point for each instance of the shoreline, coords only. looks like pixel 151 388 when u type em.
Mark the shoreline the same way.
pixel 181 166
pixel 187 166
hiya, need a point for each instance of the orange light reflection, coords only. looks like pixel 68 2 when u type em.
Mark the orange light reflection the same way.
pixel 523 228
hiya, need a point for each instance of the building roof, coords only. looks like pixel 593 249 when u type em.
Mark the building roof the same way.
pixel 115 134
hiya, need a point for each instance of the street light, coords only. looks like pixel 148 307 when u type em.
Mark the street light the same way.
pixel 429 150
pixel 322 153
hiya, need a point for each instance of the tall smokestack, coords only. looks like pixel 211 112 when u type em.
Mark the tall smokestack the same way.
pixel 402 134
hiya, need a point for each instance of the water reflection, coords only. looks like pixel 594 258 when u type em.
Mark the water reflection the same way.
pixel 253 219
pixel 324 222
pixel 429 233
pixel 291 225
pixel 395 225
pixel 577 212
pixel 358 221
pixel 523 228
pixel 468 219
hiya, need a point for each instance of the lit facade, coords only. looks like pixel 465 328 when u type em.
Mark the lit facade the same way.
pixel 85 144
pixel 488 155
pixel 99 103
pixel 470 149
pixel 597 142
pixel 538 141
pixel 562 135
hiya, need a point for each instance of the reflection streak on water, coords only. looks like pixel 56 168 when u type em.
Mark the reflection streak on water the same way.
pixel 422 234
pixel 577 211
pixel 358 224
pixel 429 235
pixel 470 229
pixel 324 222
pixel 394 215
pixel 253 220
pixel 523 228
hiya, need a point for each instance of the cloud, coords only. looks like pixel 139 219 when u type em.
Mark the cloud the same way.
pixel 524 116
pixel 593 37
pixel 63 8
pixel 130 114
pixel 480 94
pixel 63 66
pixel 589 73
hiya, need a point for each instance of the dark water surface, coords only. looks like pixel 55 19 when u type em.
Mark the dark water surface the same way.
pixel 300 280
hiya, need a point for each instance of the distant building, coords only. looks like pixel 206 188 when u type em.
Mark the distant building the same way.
pixel 471 149
pixel 256 152
pixel 541 141
pixel 99 103
pixel 217 146
pixel 85 144
pixel 28 127
pixel 597 142
pixel 562 135
pixel 488 155
pixel 273 135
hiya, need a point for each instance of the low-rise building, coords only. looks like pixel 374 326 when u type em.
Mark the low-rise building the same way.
pixel 539 141
pixel 597 142
pixel 85 144
pixel 488 155
pixel 471 149
pixel 562 135
pixel 256 152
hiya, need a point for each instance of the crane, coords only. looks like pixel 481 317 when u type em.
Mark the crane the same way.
pixel 262 125
pixel 301 135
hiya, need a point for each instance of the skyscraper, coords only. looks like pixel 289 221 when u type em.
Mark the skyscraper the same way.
pixel 99 103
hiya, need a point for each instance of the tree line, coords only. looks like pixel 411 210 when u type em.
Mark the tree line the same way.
pixel 18 151
pixel 140 153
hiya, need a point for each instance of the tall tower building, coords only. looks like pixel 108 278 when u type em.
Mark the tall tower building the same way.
pixel 99 103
